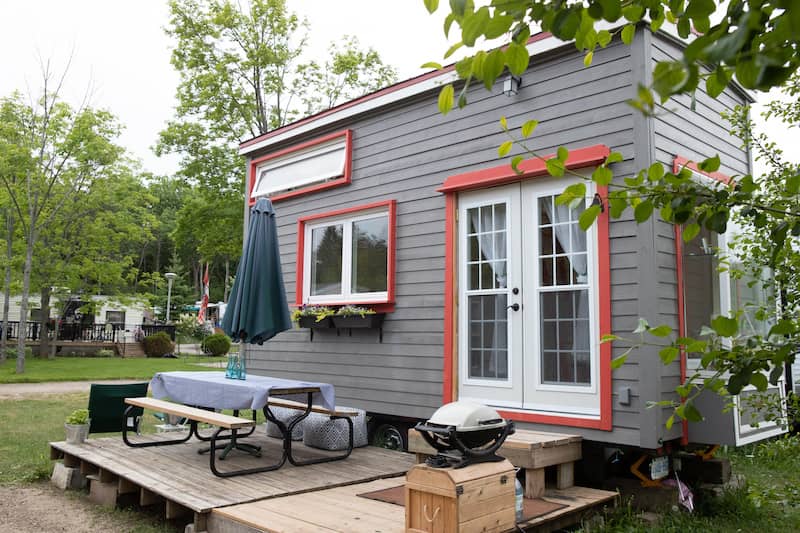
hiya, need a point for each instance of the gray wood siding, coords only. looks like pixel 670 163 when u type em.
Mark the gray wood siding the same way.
pixel 405 151
pixel 680 130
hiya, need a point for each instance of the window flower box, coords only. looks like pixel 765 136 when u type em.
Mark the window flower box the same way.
pixel 374 320
pixel 312 322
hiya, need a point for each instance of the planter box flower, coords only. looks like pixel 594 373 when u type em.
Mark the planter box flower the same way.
pixel 312 322
pixel 374 320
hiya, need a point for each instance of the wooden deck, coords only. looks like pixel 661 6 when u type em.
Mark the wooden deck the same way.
pixel 342 510
pixel 322 497
pixel 181 477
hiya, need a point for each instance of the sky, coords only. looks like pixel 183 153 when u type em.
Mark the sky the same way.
pixel 117 53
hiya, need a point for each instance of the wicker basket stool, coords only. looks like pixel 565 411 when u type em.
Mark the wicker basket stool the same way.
pixel 321 432
pixel 285 415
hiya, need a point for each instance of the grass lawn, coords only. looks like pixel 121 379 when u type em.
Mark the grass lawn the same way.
pixel 96 368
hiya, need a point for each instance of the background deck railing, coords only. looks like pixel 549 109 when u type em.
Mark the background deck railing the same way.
pixel 99 333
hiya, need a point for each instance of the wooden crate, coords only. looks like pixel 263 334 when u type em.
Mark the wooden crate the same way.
pixel 476 498
pixel 532 450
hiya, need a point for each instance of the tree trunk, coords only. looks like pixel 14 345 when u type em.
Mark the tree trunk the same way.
pixel 227 273
pixel 23 306
pixel 44 320
pixel 7 284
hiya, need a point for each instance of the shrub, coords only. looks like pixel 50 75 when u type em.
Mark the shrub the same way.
pixel 11 352
pixel 187 327
pixel 158 345
pixel 216 344
pixel 104 352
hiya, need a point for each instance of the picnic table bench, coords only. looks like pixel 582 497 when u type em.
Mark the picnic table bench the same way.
pixel 194 415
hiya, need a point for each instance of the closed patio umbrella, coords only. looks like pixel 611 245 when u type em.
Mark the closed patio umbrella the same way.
pixel 257 309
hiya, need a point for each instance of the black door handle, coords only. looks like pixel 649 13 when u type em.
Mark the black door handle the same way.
pixel 513 307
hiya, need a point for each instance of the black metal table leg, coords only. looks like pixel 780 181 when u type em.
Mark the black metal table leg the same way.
pixel 192 431
pixel 233 439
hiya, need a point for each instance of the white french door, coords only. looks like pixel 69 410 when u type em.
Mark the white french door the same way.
pixel 528 328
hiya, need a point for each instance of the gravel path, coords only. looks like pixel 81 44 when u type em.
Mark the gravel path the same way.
pixel 40 507
pixel 21 390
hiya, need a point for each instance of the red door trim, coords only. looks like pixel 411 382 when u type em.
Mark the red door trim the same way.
pixel 604 422
pixel 678 163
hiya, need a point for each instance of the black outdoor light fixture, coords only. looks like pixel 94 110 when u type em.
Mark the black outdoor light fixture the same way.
pixel 597 200
pixel 511 85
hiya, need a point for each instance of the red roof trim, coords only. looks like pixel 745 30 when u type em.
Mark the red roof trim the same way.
pixel 377 94
pixel 500 175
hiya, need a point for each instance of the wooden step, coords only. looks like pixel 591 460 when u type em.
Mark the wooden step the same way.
pixel 131 349
pixel 532 450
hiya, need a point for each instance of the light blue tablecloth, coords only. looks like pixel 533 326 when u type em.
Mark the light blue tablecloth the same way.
pixel 213 389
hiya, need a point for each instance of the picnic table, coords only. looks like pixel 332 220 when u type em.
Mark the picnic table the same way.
pixel 197 395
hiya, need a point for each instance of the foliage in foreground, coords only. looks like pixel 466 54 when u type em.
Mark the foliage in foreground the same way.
pixel 754 42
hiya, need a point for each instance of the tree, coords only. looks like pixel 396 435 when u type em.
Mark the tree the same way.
pixel 59 152
pixel 92 243
pixel 242 75
pixel 755 43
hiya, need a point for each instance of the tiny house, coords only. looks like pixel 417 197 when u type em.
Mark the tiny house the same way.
pixel 490 290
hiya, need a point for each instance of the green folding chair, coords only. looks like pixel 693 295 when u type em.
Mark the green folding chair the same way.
pixel 107 407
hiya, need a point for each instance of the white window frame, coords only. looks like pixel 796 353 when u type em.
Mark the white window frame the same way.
pixel 591 285
pixel 335 167
pixel 347 295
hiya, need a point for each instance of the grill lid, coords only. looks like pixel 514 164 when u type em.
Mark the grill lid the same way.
pixel 467 416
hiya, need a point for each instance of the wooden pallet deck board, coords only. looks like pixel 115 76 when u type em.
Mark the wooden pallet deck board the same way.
pixel 338 509
pixel 182 476
pixel 579 501
pixel 343 511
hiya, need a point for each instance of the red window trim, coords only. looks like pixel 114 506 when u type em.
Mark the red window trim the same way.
pixel 336 182
pixel 496 176
pixel 391 207
pixel 681 162
pixel 678 163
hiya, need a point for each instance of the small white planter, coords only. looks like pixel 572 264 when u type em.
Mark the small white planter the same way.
pixel 77 433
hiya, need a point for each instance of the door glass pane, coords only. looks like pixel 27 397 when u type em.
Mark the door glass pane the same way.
pixel 370 255
pixel 487 243
pixel 562 242
pixel 326 260
pixel 488 336
pixel 565 337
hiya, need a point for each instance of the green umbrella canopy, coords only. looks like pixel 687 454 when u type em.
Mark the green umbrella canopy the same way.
pixel 257 309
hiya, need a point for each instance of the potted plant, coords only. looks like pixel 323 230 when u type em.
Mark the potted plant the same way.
pixel 313 316
pixel 77 426
pixel 353 316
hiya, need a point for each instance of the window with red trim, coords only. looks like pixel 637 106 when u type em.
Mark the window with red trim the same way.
pixel 315 165
pixel 347 256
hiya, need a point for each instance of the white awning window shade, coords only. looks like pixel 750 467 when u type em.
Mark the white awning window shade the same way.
pixel 315 164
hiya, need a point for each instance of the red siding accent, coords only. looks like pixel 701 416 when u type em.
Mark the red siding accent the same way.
pixel 681 314
pixel 681 162
pixel 391 206
pixel 604 297
pixel 377 94
pixel 449 295
pixel 500 175
pixel 343 180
